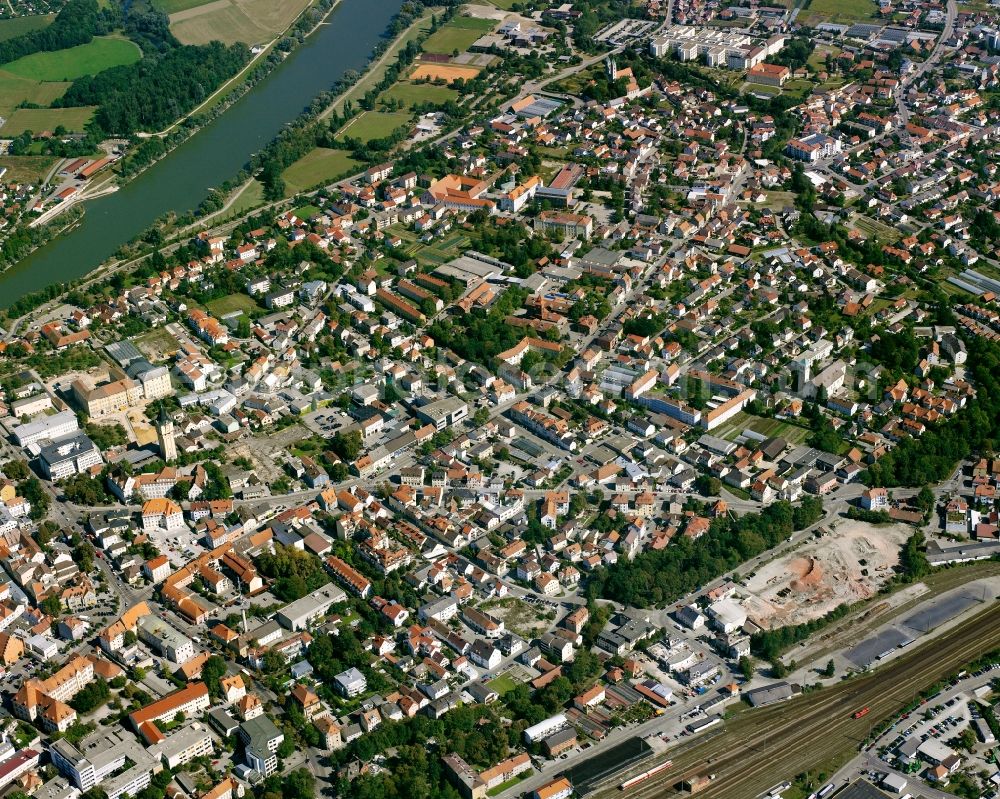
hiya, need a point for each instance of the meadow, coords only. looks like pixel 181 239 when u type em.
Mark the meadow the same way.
pixel 102 53
pixel 319 166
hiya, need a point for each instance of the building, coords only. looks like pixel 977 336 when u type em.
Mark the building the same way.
pixel 165 436
pixel 16 765
pixel 559 788
pixel 165 640
pixel 298 615
pixel 443 413
pixel 45 700
pixel 161 514
pixel 769 74
pixel 566 224
pixel 813 147
pixel 261 741
pixel 101 760
pixel 875 499
pixel 112 397
pixel 186 744
pixel 69 454
pixel 350 683
pixel 190 701
pixel 48 427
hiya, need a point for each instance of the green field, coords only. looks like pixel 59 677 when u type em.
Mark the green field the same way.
pixel 322 165
pixel 233 302
pixel 839 11
pixel 26 168
pixel 251 197
pixel 9 28
pixel 771 428
pixel 439 251
pixel 102 53
pixel 457 34
pixel 374 125
pixel 410 94
pixel 38 119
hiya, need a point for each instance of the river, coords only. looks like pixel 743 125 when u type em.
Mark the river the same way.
pixel 181 180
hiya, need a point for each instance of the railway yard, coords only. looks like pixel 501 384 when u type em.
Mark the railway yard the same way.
pixel 816 729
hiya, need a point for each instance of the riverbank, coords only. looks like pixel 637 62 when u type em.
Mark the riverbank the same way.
pixel 348 42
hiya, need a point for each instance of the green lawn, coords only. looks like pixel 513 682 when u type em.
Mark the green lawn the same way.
pixel 840 11
pixel 98 55
pixel 416 93
pixel 9 28
pixel 321 165
pixel 233 302
pixel 458 34
pixel 374 125
pixel 770 428
pixel 503 786
pixel 39 119
pixel 252 196
pixel 306 212
pixel 503 684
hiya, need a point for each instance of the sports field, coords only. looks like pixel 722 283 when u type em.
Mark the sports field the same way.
pixel 102 53
pixel 229 21
pixel 457 34
pixel 416 93
pixel 318 166
pixel 446 72
pixel 9 28
pixel 38 119
pixel 374 125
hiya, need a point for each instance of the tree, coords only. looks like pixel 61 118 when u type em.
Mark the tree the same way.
pixel 347 445
pixel 17 470
pixel 212 672
pixel 51 605
pixel 829 670
pixel 746 668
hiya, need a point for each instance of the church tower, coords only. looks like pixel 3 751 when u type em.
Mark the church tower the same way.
pixel 165 434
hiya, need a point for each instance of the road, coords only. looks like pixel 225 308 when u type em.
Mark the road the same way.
pixel 771 744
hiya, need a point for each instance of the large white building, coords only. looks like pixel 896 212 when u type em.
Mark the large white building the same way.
pixel 813 147
pixel 48 427
pixel 715 47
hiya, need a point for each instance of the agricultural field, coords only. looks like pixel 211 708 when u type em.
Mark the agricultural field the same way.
pixel 26 168
pixel 321 165
pixel 839 11
pixel 410 94
pixel 14 90
pixel 173 6
pixel 38 119
pixel 230 21
pixel 374 125
pixel 9 28
pixel 457 34
pixel 102 53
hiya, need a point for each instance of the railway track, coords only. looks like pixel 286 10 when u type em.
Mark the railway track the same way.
pixel 787 739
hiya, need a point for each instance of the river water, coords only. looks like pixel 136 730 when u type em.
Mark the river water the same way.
pixel 214 154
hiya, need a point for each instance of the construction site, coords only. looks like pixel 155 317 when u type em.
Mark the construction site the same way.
pixel 848 564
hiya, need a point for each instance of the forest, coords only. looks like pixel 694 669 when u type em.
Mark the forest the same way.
pixel 658 577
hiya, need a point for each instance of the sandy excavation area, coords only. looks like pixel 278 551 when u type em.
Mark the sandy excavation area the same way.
pixel 848 564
